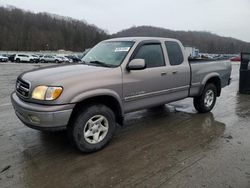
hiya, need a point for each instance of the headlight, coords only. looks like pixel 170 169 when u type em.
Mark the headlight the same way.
pixel 46 93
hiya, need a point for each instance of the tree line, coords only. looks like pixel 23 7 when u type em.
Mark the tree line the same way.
pixel 26 31
pixel 205 41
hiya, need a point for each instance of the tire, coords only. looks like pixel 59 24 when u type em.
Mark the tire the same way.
pixel 89 137
pixel 42 61
pixel 205 103
pixel 18 60
pixel 56 61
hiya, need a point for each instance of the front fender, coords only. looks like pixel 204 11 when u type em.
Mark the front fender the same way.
pixel 95 93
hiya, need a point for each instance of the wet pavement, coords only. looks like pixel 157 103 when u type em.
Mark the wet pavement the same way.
pixel 168 146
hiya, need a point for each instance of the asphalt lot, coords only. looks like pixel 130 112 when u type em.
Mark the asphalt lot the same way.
pixel 171 146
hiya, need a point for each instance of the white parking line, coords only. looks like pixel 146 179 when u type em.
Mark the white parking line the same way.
pixel 6 104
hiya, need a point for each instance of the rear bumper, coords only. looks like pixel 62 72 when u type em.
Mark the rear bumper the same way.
pixel 42 117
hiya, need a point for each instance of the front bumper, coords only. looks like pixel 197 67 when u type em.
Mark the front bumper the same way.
pixel 42 117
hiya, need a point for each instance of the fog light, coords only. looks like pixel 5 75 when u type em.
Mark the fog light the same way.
pixel 34 119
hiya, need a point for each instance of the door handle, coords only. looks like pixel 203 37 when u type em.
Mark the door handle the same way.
pixel 175 72
pixel 163 74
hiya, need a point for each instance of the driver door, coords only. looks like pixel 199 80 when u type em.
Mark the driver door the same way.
pixel 145 87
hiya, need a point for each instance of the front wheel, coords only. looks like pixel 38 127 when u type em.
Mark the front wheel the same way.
pixel 93 128
pixel 205 103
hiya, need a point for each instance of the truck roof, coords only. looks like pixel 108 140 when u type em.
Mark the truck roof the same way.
pixel 139 39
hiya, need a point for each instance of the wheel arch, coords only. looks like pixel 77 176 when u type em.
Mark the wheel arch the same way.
pixel 110 100
pixel 212 79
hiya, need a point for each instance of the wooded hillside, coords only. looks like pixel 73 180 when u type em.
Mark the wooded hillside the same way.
pixel 27 31
pixel 20 30
pixel 205 41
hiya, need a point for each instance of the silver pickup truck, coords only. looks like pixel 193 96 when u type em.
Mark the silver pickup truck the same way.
pixel 116 77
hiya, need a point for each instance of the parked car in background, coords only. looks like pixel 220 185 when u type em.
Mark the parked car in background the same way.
pixel 22 58
pixel 237 58
pixel 65 59
pixel 12 57
pixel 3 58
pixel 221 57
pixel 35 58
pixel 74 58
pixel 50 59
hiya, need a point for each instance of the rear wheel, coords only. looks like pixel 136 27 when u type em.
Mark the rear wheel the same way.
pixel 18 60
pixel 205 103
pixel 93 128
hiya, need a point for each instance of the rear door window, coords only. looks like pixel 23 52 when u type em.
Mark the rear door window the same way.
pixel 174 53
pixel 152 54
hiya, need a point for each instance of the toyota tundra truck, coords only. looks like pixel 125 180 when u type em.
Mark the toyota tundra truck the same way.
pixel 115 77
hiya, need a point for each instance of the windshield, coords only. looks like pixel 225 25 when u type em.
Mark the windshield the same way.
pixel 110 53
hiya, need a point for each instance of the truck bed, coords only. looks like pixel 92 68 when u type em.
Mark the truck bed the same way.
pixel 202 70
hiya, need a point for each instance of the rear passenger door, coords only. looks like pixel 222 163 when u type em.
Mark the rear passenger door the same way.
pixel 144 88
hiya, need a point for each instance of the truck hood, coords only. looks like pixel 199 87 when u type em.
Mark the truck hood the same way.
pixel 57 75
pixel 76 79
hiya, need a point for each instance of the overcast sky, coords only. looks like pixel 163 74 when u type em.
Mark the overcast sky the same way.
pixel 223 17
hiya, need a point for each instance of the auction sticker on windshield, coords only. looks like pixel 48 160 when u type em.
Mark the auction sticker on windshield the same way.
pixel 122 49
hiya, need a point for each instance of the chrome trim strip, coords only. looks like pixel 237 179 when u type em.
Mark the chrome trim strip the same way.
pixel 196 84
pixel 155 93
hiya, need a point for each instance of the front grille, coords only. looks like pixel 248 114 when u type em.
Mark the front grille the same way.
pixel 23 88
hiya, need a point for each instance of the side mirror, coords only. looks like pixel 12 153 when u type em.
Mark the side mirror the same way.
pixel 136 64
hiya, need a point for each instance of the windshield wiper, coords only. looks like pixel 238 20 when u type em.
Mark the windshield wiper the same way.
pixel 100 63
